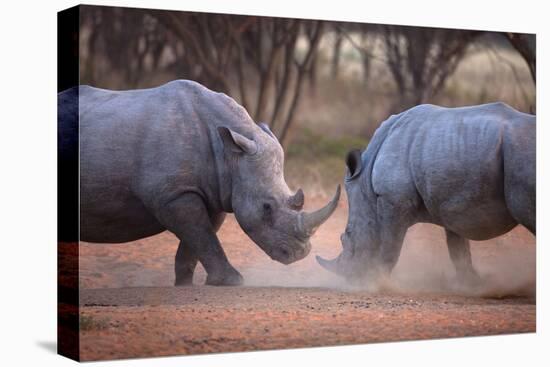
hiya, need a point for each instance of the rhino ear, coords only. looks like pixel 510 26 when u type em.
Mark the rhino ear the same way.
pixel 236 142
pixel 265 127
pixel 354 163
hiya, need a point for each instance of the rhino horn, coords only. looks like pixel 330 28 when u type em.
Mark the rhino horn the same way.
pixel 309 222
pixel 296 201
pixel 331 265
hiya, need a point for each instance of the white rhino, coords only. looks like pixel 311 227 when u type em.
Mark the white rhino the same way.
pixel 178 157
pixel 471 170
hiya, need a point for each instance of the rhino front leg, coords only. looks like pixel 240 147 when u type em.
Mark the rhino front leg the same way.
pixel 459 251
pixel 186 259
pixel 393 222
pixel 187 217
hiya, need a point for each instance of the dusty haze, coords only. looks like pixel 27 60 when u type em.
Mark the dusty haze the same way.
pixel 129 307
pixel 506 264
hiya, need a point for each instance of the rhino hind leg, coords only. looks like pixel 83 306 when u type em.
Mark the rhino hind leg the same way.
pixel 521 203
pixel 185 264
pixel 459 251
pixel 187 217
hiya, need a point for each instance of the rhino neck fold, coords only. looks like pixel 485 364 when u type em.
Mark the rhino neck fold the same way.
pixel 224 180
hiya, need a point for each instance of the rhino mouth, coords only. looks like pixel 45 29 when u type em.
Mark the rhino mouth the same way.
pixel 287 255
pixel 306 223
pixel 290 240
pixel 348 264
pixel 354 267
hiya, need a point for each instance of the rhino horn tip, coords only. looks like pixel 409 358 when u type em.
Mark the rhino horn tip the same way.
pixel 326 264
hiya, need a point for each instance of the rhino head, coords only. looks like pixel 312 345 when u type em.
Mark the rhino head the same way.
pixel 359 258
pixel 265 208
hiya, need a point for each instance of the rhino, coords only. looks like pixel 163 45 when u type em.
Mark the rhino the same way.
pixel 179 157
pixel 470 170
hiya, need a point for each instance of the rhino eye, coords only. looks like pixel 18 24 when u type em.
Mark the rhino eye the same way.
pixel 267 213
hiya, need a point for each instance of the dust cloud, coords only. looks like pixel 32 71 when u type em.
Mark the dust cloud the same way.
pixel 506 266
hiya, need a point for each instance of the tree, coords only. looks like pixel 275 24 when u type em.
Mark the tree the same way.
pixel 525 44
pixel 364 44
pixel 122 42
pixel 256 60
pixel 421 59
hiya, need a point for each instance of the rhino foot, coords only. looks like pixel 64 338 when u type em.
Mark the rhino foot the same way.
pixel 469 278
pixel 229 278
pixel 184 281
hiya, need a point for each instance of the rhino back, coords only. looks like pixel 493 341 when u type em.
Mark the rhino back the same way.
pixel 450 162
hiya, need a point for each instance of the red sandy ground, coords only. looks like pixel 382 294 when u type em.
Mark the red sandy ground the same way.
pixel 130 308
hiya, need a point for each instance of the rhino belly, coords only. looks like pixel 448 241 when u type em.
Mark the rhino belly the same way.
pixel 466 196
pixel 476 219
pixel 114 221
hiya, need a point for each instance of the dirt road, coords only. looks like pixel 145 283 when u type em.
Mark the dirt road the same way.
pixel 130 309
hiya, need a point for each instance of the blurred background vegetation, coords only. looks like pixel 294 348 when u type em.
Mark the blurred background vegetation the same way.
pixel 323 87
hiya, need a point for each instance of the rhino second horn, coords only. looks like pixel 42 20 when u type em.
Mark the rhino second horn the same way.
pixel 309 222
pixel 296 201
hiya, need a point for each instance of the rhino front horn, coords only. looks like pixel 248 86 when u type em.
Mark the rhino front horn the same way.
pixel 330 265
pixel 309 222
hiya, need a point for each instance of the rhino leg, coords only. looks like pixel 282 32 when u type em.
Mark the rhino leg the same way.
pixel 393 223
pixel 185 264
pixel 187 217
pixel 459 251
pixel 186 259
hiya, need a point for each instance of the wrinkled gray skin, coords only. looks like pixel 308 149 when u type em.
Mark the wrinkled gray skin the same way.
pixel 178 157
pixel 470 170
